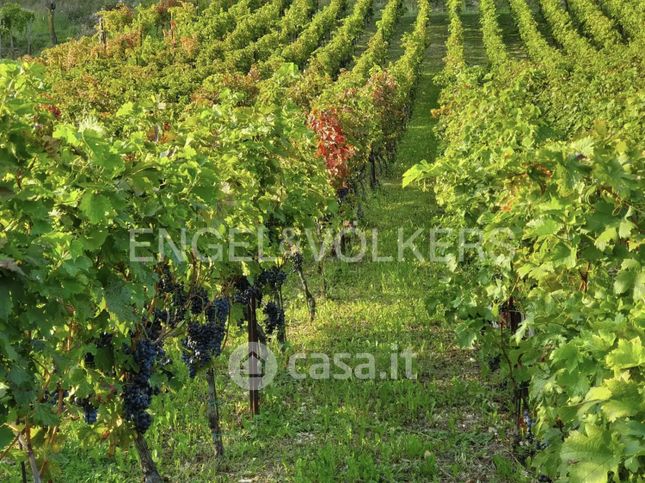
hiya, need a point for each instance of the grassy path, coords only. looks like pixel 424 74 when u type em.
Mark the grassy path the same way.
pixel 510 34
pixel 543 25
pixel 405 24
pixel 369 31
pixel 474 51
pixel 442 426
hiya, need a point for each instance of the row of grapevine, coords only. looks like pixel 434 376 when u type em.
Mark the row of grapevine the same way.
pixel 630 16
pixel 331 57
pixel 299 51
pixel 491 34
pixel 595 23
pixel 368 105
pixel 218 20
pixel 454 59
pixel 249 29
pixel 70 283
pixel 563 30
pixel 538 48
pixel 550 176
pixel 290 25
pixel 376 51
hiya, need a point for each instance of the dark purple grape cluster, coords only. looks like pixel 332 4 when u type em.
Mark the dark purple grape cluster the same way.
pixel 203 342
pixel 91 413
pixel 88 359
pixel 274 317
pixel 244 292
pixel 179 303
pixel 273 278
pixel 198 301
pixel 104 341
pixel 138 392
pixel 167 285
pixel 528 423
pixel 218 310
pixel 166 282
pixel 52 398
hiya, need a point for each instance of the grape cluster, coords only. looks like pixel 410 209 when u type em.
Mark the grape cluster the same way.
pixel 273 278
pixel 104 341
pixel 138 392
pixel 179 302
pixel 167 285
pixel 274 317
pixel 52 398
pixel 218 311
pixel 166 282
pixel 91 413
pixel 528 422
pixel 203 342
pixel 88 359
pixel 244 292
pixel 199 301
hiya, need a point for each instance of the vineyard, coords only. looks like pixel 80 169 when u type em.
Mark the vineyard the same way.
pixel 451 188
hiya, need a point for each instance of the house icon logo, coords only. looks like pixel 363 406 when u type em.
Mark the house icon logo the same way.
pixel 252 366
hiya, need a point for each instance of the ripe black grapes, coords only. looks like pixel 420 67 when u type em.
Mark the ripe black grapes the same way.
pixel 53 397
pixel 199 301
pixel 274 317
pixel 166 280
pixel 218 310
pixel 179 300
pixel 203 342
pixel 88 358
pixel 104 340
pixel 91 413
pixel 138 392
pixel 89 410
pixel 244 292
pixel 274 278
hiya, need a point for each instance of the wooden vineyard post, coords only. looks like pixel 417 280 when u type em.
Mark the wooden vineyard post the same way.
pixel 254 394
pixel 52 26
